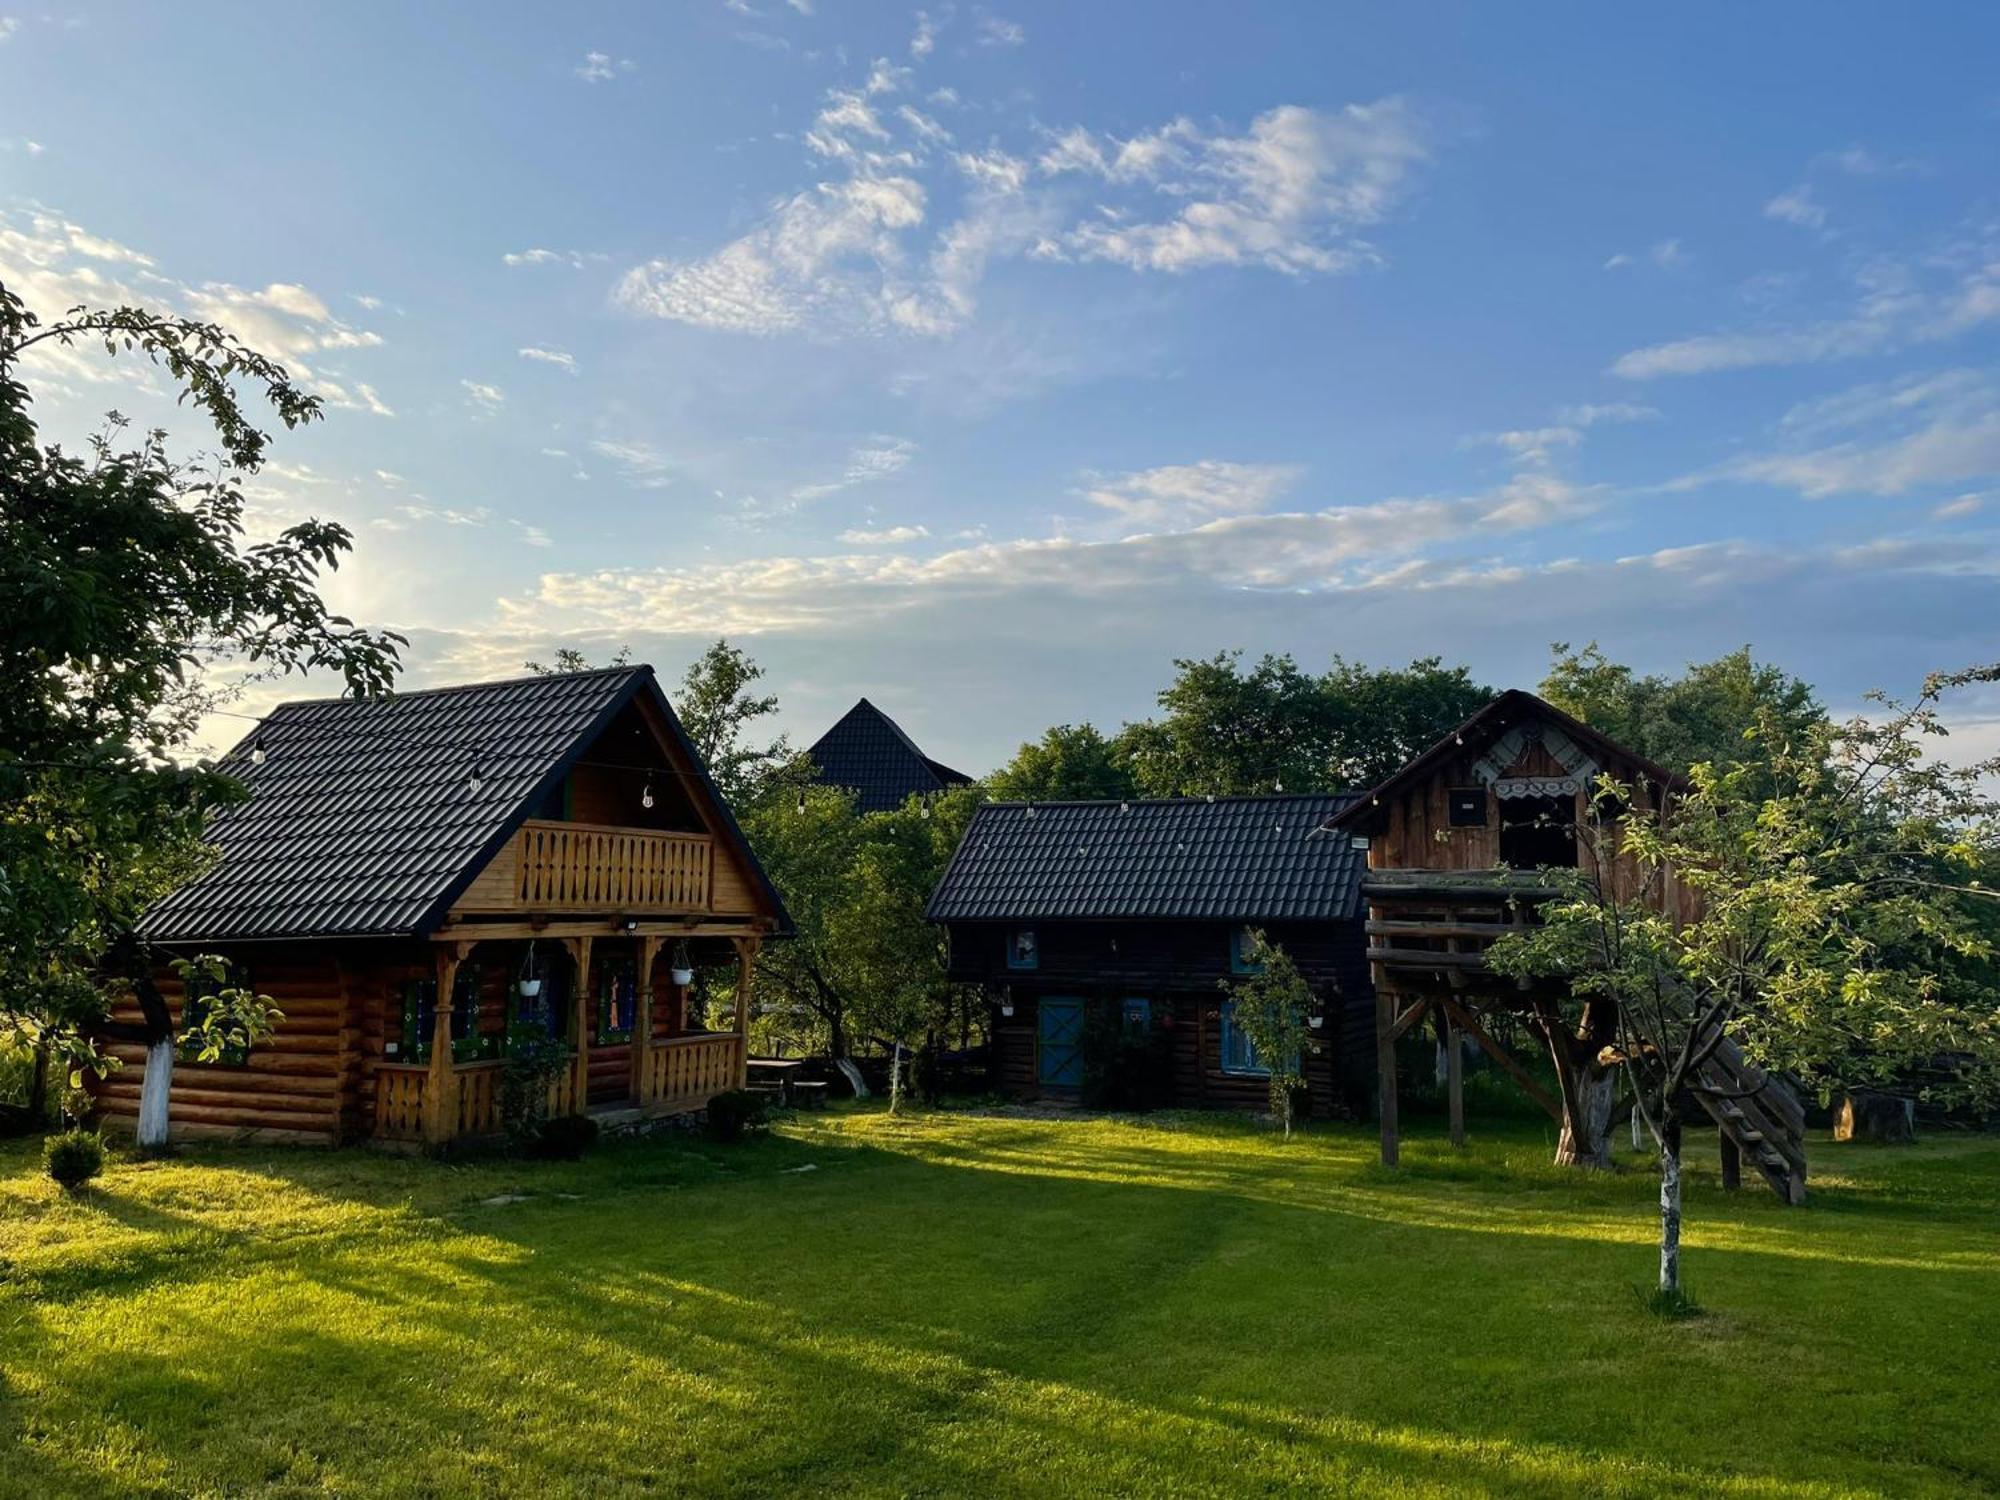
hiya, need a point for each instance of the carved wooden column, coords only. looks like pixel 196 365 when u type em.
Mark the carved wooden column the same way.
pixel 441 1087
pixel 1385 1070
pixel 642 1021
pixel 746 958
pixel 579 952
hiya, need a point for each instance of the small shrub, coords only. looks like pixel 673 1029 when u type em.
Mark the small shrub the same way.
pixel 1676 1306
pixel 733 1115
pixel 566 1137
pixel 74 1157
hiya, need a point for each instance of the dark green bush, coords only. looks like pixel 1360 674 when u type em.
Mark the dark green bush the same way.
pixel 566 1137
pixel 733 1115
pixel 74 1157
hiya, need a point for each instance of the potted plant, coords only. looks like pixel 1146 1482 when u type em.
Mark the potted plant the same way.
pixel 531 982
pixel 681 968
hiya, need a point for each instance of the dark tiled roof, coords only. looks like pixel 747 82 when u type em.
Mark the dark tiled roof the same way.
pixel 361 820
pixel 1239 859
pixel 868 753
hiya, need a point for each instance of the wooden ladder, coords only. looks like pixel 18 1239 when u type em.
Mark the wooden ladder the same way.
pixel 1767 1128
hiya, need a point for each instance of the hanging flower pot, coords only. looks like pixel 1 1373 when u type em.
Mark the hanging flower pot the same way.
pixel 681 969
pixel 1315 1021
pixel 530 988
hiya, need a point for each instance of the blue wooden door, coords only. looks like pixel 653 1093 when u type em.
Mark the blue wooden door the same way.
pixel 1059 1061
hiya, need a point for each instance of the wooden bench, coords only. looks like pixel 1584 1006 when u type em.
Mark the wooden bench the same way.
pixel 808 1095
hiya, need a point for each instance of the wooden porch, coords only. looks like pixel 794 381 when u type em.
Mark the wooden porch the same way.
pixel 642 1074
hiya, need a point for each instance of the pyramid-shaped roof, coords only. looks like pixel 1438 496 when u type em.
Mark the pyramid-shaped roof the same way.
pixel 868 753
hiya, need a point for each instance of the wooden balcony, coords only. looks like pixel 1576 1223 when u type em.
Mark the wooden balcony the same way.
pixel 1441 922
pixel 592 867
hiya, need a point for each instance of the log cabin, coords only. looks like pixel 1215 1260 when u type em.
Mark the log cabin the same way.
pixel 868 753
pixel 1456 840
pixel 411 877
pixel 1102 933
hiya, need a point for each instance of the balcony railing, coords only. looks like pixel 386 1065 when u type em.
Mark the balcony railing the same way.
pixel 591 867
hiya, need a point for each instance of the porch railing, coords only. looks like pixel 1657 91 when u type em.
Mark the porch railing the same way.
pixel 691 1070
pixel 593 867
pixel 399 1101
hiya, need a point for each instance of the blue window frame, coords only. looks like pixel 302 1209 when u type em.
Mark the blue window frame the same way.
pixel 1243 957
pixel 617 1000
pixel 468 1042
pixel 1024 949
pixel 552 1006
pixel 1239 1053
pixel 419 1021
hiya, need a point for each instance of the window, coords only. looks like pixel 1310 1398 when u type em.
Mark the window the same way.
pixel 1538 831
pixel 1467 806
pixel 413 1045
pixel 552 1005
pixel 201 992
pixel 1244 956
pixel 468 1042
pixel 1136 1016
pixel 617 1000
pixel 1023 952
pixel 1239 1053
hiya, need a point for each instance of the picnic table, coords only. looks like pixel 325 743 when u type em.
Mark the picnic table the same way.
pixel 774 1073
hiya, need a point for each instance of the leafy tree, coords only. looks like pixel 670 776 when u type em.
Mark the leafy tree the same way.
pixel 717 709
pixel 126 573
pixel 1273 1007
pixel 1071 762
pixel 1842 930
pixel 1704 714
pixel 808 843
pixel 1230 731
pixel 570 659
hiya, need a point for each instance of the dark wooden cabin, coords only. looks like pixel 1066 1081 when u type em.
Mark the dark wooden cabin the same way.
pixel 1077 916
pixel 1456 840
pixel 403 864
pixel 868 753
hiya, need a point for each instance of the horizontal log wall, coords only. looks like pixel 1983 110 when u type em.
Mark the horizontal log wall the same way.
pixel 288 1088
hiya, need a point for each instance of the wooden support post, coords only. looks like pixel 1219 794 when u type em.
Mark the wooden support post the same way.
pixel 746 957
pixel 441 1087
pixel 1385 1070
pixel 1732 1161
pixel 642 1021
pixel 1454 1076
pixel 579 952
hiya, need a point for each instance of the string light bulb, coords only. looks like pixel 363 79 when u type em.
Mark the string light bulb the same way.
pixel 1278 784
pixel 1124 806
pixel 1031 811
pixel 646 797
pixel 477 779
pixel 257 751
pixel 801 807
pixel 923 807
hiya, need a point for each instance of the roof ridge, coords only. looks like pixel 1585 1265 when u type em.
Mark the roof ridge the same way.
pixel 467 687
pixel 1203 799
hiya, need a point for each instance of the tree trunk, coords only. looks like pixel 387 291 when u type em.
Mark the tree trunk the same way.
pixel 1589 1098
pixel 896 1078
pixel 1670 1206
pixel 153 1094
pixel 38 1086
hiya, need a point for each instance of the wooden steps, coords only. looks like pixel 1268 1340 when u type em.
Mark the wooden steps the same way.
pixel 1767 1124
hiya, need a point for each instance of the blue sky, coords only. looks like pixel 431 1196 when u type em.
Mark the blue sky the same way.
pixel 980 360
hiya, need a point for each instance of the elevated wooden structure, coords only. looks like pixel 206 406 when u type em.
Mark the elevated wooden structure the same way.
pixel 1457 842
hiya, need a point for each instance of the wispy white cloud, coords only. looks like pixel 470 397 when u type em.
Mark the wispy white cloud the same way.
pixel 601 67
pixel 1901 303
pixel 1290 194
pixel 639 463
pixel 997 31
pixel 1797 205
pixel 887 536
pixel 877 458
pixel 484 397
pixel 574 259
pixel 1664 255
pixel 1888 439
pixel 1178 496
pixel 540 355
pixel 923 41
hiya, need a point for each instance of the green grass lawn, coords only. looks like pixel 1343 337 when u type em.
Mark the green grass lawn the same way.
pixel 968 1303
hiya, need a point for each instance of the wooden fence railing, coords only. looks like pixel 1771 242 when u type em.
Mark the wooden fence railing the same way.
pixel 399 1101
pixel 591 867
pixel 478 1098
pixel 688 1071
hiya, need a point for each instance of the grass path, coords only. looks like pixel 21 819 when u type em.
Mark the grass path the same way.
pixel 968 1304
